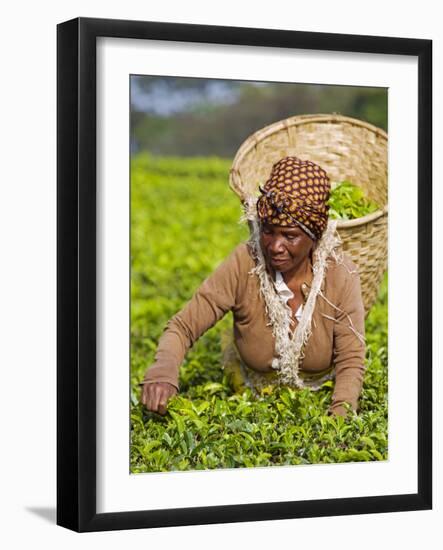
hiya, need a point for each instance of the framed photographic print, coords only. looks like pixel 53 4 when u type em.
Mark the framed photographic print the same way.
pixel 214 371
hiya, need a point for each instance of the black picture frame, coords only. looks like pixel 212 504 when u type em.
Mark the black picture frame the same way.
pixel 76 273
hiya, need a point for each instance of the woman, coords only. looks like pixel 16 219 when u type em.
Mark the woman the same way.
pixel 297 305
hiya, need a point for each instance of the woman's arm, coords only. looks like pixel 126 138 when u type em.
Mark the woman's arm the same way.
pixel 212 300
pixel 349 346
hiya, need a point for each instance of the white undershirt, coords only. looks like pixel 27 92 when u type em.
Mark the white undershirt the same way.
pixel 286 293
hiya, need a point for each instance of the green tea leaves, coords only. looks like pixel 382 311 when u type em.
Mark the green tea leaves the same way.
pixel 348 201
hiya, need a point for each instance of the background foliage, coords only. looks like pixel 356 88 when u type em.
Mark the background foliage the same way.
pixel 201 117
pixel 184 222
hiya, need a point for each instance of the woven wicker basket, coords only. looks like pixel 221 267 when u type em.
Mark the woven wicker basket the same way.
pixel 348 149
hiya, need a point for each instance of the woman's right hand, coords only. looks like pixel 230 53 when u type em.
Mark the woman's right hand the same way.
pixel 156 395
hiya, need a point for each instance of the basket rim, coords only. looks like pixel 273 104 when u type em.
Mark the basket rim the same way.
pixel 369 218
pixel 297 120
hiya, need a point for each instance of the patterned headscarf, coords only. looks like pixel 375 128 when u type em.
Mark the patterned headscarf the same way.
pixel 296 193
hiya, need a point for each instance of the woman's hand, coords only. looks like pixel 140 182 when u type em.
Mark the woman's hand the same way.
pixel 340 409
pixel 155 396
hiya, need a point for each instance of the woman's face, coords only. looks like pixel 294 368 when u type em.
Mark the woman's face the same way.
pixel 285 248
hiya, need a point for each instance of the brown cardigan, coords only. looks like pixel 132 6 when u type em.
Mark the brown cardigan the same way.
pixel 232 287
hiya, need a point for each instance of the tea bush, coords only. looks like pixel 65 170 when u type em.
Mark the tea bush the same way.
pixel 184 222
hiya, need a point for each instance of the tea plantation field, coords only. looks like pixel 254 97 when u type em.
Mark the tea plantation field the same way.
pixel 184 222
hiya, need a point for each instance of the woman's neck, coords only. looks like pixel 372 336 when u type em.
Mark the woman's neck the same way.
pixel 303 273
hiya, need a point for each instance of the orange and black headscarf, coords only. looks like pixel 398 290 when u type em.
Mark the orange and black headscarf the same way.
pixel 296 193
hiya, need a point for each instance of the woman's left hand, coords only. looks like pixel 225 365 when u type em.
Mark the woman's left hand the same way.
pixel 338 410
